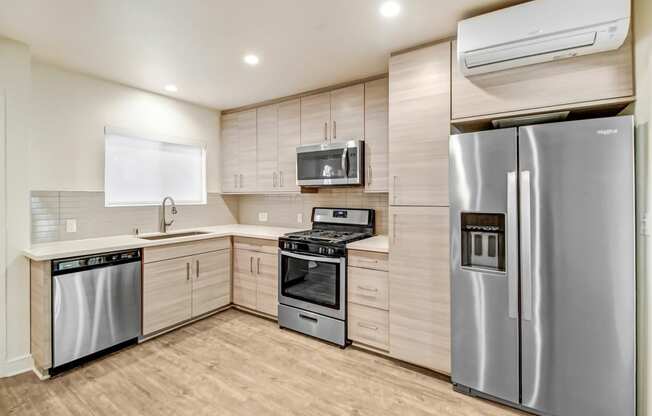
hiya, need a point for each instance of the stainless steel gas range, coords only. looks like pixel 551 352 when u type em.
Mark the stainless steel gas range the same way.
pixel 312 272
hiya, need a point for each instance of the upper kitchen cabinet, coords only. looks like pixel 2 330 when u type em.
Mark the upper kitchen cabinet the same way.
pixel 239 152
pixel 315 118
pixel 376 132
pixel 347 113
pixel 289 137
pixel 419 126
pixel 333 116
pixel 229 152
pixel 267 147
pixel 590 80
pixel 278 138
pixel 247 150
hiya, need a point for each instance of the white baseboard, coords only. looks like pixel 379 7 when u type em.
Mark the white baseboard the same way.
pixel 16 366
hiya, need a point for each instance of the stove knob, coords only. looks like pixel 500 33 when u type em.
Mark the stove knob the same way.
pixel 331 251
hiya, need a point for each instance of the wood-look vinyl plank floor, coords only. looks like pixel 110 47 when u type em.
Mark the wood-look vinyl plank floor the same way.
pixel 238 364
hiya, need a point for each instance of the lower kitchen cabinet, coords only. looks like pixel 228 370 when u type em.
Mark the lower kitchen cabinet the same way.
pixel 255 275
pixel 368 299
pixel 178 289
pixel 167 294
pixel 211 288
pixel 267 283
pixel 419 286
pixel 244 278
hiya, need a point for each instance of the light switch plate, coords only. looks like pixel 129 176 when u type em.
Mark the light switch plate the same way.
pixel 71 226
pixel 300 218
pixel 262 216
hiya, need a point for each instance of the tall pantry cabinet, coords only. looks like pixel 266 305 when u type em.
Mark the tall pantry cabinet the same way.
pixel 419 129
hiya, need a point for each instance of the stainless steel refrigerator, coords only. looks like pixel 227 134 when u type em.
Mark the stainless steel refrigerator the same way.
pixel 543 266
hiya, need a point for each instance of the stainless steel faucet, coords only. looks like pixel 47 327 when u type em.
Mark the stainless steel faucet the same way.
pixel 164 223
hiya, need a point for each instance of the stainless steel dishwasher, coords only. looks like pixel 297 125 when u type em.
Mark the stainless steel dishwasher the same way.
pixel 95 304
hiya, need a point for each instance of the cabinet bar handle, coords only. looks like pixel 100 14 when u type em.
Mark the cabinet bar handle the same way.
pixel 369 289
pixel 394 188
pixel 187 271
pixel 251 265
pixel 334 129
pixel 197 268
pixel 326 131
pixel 394 232
pixel 369 178
pixel 258 265
pixel 241 180
pixel 363 325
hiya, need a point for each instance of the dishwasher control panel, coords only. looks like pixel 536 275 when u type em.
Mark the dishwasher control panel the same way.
pixel 87 262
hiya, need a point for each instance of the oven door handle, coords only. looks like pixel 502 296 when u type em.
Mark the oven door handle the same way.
pixel 312 258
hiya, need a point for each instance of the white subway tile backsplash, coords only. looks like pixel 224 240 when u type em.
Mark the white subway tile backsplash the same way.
pixel 50 211
pixel 283 210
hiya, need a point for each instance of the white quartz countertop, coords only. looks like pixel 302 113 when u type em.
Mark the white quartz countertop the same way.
pixel 378 243
pixel 72 248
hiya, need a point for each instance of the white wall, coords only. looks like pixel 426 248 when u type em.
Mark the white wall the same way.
pixel 70 110
pixel 14 212
pixel 643 112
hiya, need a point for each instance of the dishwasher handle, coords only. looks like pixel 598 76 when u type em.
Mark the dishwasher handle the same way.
pixel 83 263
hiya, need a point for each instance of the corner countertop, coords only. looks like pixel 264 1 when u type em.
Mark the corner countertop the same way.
pixel 72 248
pixel 378 243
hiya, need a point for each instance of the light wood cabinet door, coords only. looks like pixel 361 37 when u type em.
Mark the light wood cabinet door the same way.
pixel 315 118
pixel 347 113
pixel 267 148
pixel 376 102
pixel 244 278
pixel 419 126
pixel 267 283
pixel 247 151
pixel 229 152
pixel 600 76
pixel 289 137
pixel 167 291
pixel 419 286
pixel 211 287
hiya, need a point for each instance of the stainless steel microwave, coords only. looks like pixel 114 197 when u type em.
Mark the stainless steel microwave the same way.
pixel 331 164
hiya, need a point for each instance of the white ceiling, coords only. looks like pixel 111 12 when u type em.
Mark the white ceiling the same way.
pixel 199 44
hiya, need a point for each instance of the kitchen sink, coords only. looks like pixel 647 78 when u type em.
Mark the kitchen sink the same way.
pixel 174 235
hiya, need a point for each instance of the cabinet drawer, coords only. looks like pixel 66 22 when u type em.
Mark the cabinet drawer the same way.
pixel 171 251
pixel 256 244
pixel 369 326
pixel 369 287
pixel 368 260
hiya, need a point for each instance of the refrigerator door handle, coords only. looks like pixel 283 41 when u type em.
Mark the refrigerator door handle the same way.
pixel 526 246
pixel 512 245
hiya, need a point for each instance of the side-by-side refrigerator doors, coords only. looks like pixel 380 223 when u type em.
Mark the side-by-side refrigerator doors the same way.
pixel 484 262
pixel 577 267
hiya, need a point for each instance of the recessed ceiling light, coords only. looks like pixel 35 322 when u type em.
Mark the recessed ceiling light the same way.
pixel 171 88
pixel 251 59
pixel 390 9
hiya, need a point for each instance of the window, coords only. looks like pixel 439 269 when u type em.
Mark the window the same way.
pixel 139 171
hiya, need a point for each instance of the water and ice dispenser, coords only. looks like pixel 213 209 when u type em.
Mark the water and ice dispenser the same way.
pixel 483 241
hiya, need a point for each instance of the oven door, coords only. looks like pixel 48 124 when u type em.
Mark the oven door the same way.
pixel 330 164
pixel 313 283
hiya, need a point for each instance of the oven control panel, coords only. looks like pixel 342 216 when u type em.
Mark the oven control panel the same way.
pixel 312 248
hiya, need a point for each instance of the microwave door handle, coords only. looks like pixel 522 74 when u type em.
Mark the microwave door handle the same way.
pixel 345 160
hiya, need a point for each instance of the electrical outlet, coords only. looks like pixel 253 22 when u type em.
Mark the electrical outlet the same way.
pixel 71 226
pixel 262 216
pixel 300 218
